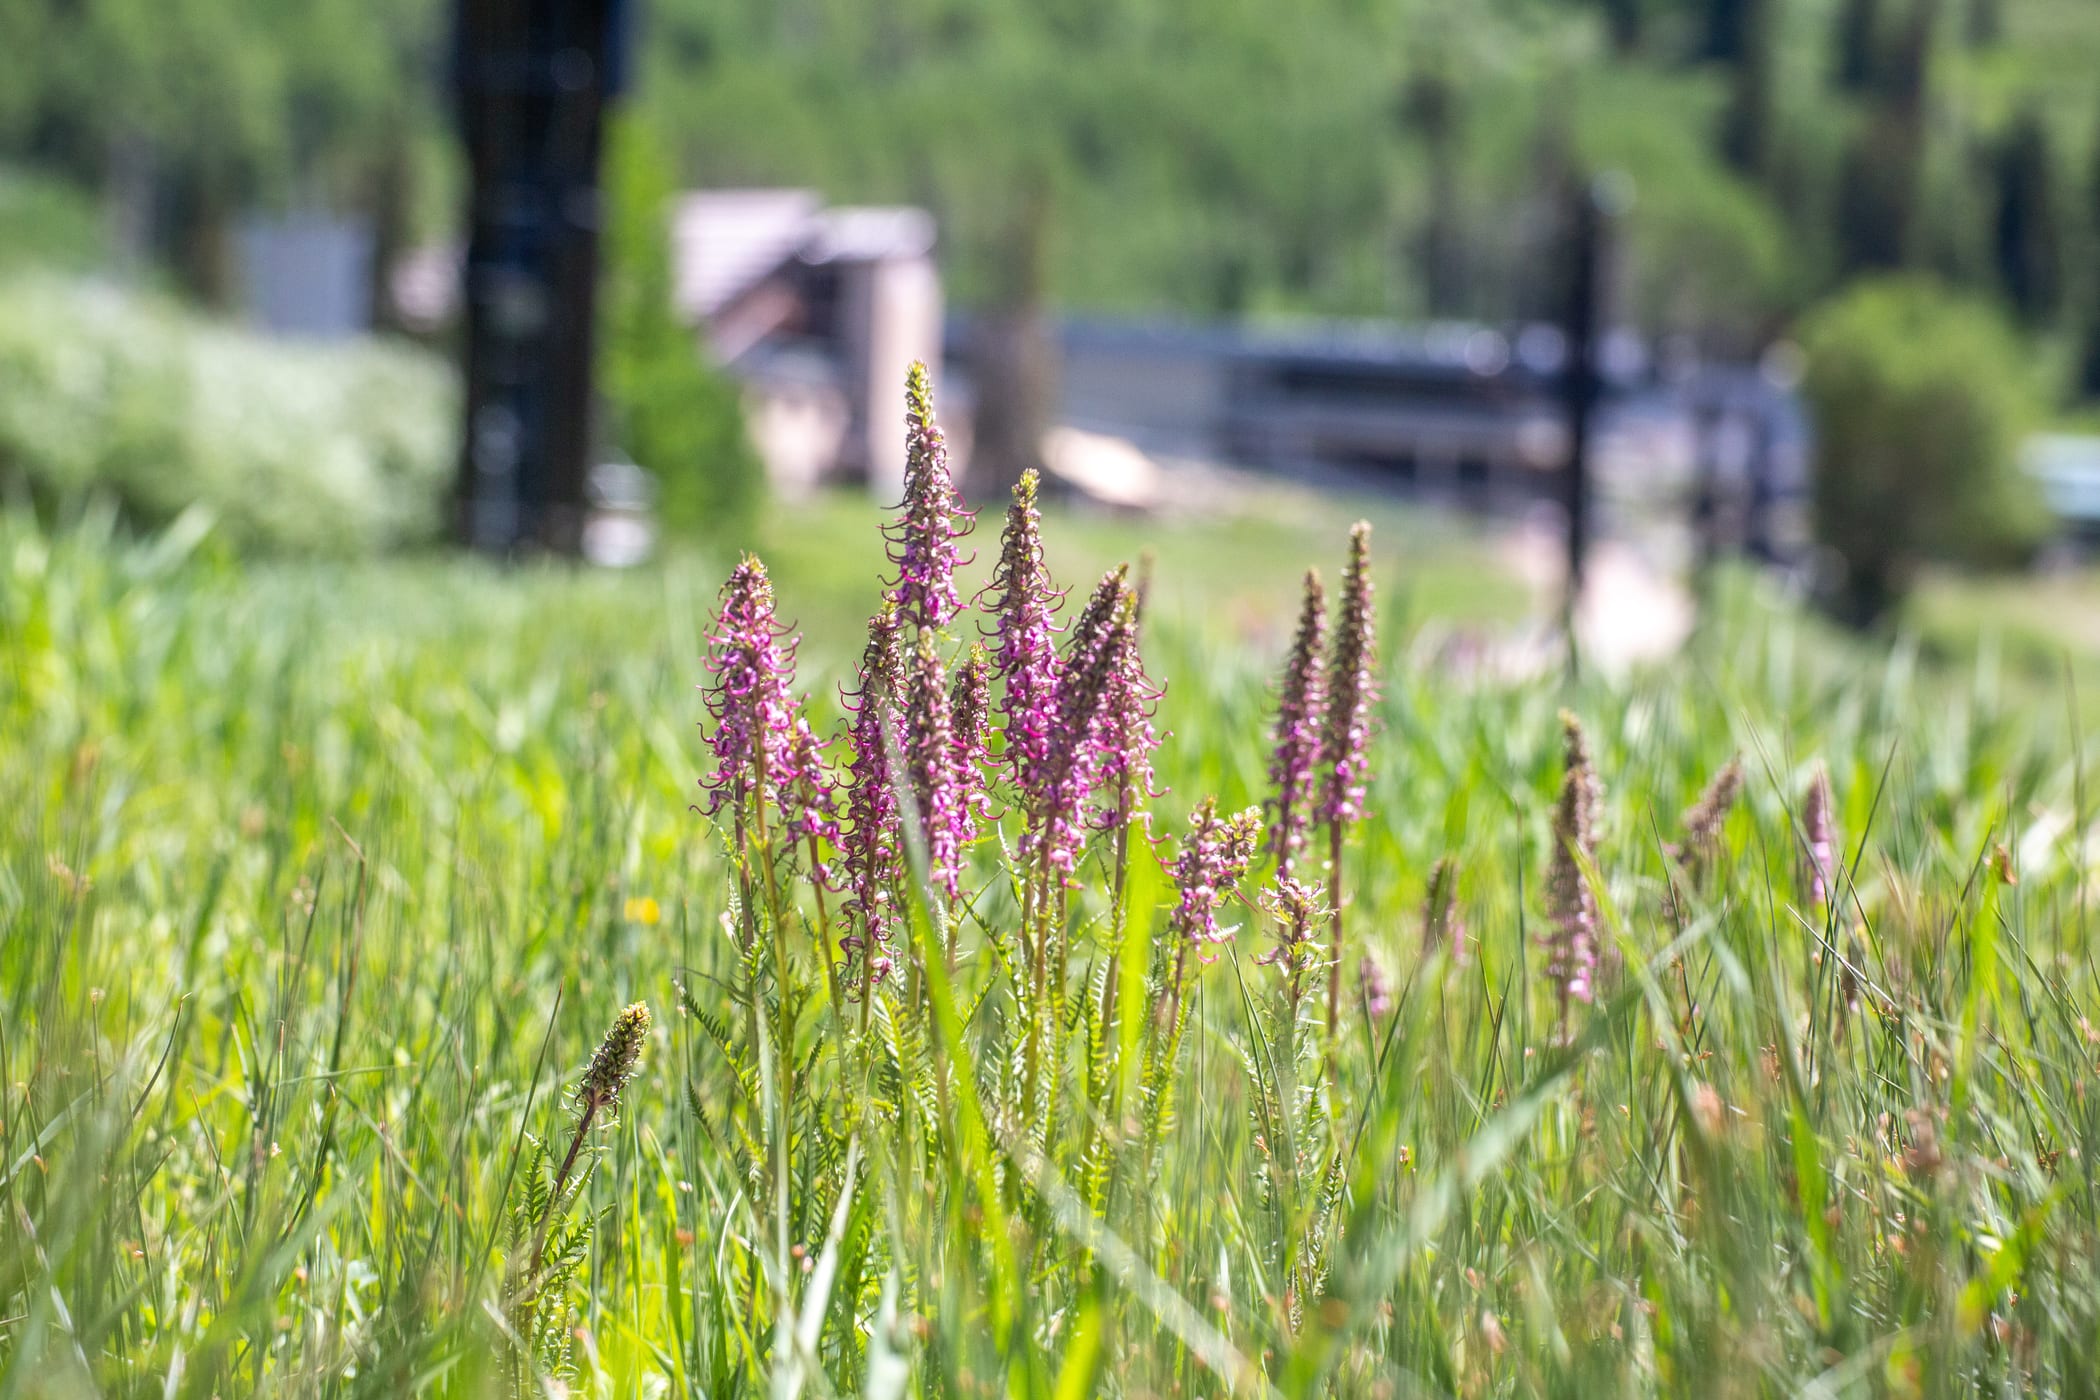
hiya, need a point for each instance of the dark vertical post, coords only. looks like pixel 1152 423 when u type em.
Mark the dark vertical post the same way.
pixel 1706 491
pixel 1759 538
pixel 1580 381
pixel 1013 353
pixel 532 79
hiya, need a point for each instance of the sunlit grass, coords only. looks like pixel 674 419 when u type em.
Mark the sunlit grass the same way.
pixel 320 884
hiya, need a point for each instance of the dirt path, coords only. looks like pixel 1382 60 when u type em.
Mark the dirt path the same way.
pixel 1632 610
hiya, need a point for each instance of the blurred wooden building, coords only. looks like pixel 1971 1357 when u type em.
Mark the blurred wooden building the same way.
pixel 817 311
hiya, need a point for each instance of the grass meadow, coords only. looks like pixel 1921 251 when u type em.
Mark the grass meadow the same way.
pixel 321 883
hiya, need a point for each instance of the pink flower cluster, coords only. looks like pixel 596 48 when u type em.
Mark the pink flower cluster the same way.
pixel 1123 738
pixel 1301 706
pixel 970 714
pixel 1319 761
pixel 811 800
pixel 1345 744
pixel 1071 728
pixel 931 519
pixel 936 780
pixel 874 838
pixel 1084 733
pixel 1571 941
pixel 751 659
pixel 1214 855
pixel 1024 607
pixel 1822 838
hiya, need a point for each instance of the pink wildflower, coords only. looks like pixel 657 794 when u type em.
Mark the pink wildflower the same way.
pixel 1024 606
pixel 1301 708
pixel 1352 688
pixel 751 658
pixel 929 757
pixel 873 841
pixel 1213 856
pixel 1571 942
pixel 922 539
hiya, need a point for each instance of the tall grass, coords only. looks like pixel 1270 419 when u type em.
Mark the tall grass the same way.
pixel 321 885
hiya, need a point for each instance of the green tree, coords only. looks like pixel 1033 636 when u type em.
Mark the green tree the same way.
pixel 1747 124
pixel 219 105
pixel 1920 398
pixel 2029 229
pixel 1433 109
pixel 670 409
pixel 1857 42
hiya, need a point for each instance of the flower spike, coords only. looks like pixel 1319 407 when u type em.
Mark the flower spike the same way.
pixel 1214 856
pixel 1571 942
pixel 1301 707
pixel 1024 604
pixel 874 839
pixel 929 755
pixel 1822 837
pixel 1124 738
pixel 1353 688
pixel 969 710
pixel 1072 764
pixel 931 518
pixel 751 658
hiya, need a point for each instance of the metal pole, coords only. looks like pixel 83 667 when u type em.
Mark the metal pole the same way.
pixel 1707 420
pixel 1594 205
pixel 532 79
pixel 1579 393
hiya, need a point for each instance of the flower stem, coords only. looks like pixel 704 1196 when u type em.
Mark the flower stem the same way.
pixel 1334 950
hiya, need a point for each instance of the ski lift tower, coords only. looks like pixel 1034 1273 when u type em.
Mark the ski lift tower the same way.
pixel 532 79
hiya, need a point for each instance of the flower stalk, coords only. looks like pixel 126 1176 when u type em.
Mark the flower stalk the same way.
pixel 1301 711
pixel 1346 735
pixel 1571 905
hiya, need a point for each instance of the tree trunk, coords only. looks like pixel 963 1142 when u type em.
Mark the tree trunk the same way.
pixel 203 239
pixel 390 181
pixel 1015 361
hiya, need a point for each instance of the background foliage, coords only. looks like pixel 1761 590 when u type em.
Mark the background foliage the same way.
pixel 315 449
pixel 675 413
pixel 1921 400
pixel 1200 156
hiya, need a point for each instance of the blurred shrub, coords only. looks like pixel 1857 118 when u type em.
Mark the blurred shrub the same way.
pixel 1920 399
pixel 315 448
pixel 46 223
pixel 672 412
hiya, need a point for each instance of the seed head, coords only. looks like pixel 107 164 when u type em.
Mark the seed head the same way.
pixel 1704 819
pixel 1301 708
pixel 615 1062
pixel 1571 940
pixel 1377 987
pixel 1818 825
pixel 1353 688
pixel 1442 924
pixel 931 518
